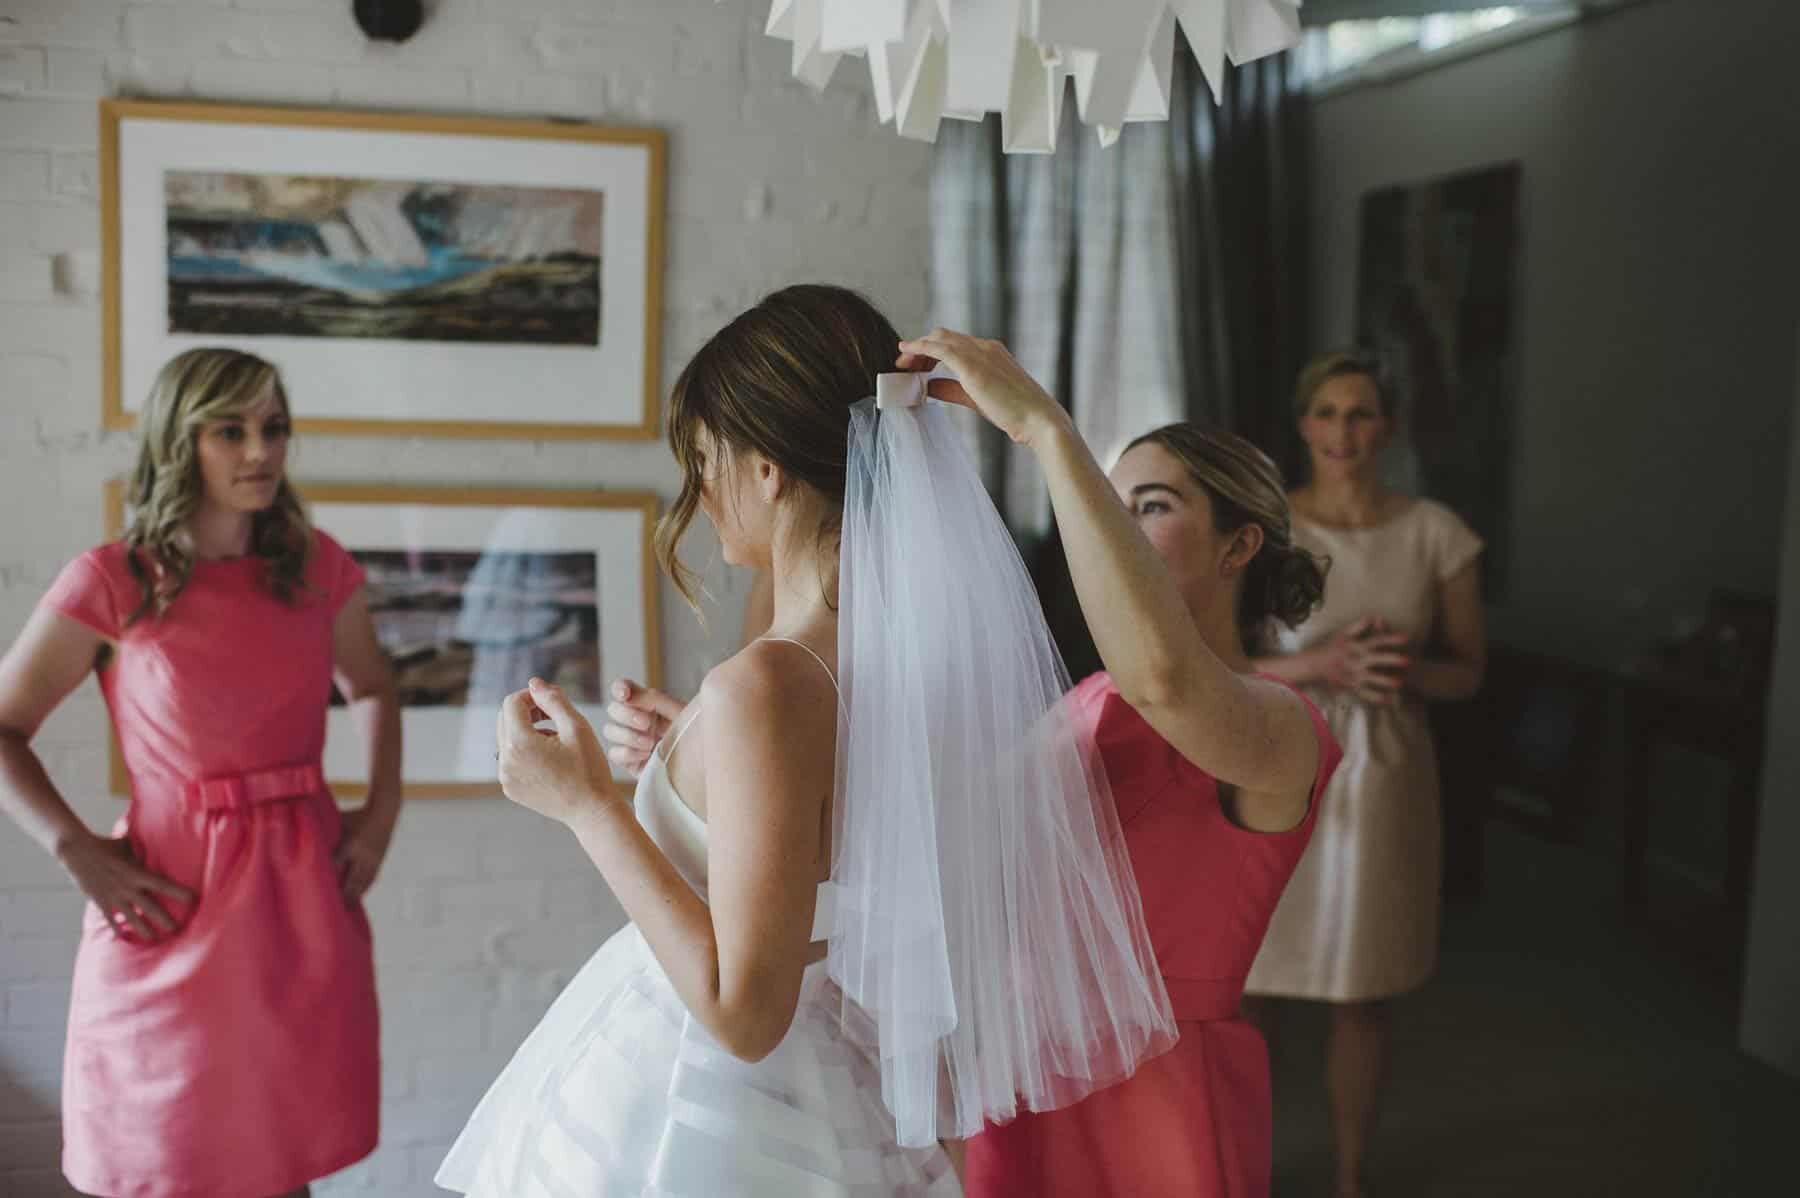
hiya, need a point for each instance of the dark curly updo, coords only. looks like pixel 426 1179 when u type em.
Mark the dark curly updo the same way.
pixel 1283 581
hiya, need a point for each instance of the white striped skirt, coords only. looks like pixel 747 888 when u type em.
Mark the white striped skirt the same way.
pixel 620 1093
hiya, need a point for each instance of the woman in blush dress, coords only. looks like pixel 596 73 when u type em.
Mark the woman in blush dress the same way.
pixel 1401 626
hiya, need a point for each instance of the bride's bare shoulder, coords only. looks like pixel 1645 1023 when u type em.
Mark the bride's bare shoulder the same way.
pixel 772 681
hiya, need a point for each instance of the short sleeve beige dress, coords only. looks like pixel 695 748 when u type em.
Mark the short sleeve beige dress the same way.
pixel 1359 919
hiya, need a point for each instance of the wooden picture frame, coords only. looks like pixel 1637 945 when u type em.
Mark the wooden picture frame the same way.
pixel 510 560
pixel 411 275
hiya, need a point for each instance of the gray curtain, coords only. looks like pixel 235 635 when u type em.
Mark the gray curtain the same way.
pixel 1159 279
pixel 1066 258
pixel 1241 178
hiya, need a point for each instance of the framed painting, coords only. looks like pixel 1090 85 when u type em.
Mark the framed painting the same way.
pixel 410 275
pixel 473 592
pixel 1437 287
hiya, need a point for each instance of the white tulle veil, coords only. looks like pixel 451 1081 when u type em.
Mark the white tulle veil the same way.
pixel 989 935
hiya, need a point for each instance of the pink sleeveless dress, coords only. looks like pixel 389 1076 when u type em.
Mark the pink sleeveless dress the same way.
pixel 1195 1121
pixel 239 1056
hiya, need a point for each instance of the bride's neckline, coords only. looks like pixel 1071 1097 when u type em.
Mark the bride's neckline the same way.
pixel 667 780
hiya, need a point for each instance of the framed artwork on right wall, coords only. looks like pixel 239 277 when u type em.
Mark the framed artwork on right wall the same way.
pixel 1436 300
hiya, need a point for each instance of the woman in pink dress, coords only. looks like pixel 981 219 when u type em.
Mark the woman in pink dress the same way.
pixel 222 1027
pixel 1178 561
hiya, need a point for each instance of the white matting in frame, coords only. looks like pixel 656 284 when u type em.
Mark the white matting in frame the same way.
pixel 425 544
pixel 292 226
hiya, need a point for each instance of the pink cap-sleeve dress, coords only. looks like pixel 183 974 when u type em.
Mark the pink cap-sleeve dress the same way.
pixel 238 1056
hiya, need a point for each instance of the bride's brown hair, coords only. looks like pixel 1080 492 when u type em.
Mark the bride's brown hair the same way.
pixel 779 380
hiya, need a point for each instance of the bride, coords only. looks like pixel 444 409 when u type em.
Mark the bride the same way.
pixel 876 888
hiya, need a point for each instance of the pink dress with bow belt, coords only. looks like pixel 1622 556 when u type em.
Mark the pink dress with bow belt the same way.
pixel 239 1056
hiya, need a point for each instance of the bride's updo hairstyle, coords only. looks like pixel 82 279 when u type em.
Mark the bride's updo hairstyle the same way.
pixel 779 380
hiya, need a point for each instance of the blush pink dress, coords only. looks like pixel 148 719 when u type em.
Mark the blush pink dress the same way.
pixel 1359 920
pixel 239 1056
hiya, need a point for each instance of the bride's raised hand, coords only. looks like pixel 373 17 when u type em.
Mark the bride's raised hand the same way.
pixel 560 771
pixel 637 717
pixel 988 379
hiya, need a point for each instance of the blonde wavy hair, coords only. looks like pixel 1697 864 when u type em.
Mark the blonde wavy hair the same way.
pixel 192 390
pixel 1337 364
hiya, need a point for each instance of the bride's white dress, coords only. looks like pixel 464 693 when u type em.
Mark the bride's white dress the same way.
pixel 619 1091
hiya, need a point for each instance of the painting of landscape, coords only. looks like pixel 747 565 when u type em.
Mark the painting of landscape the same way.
pixel 325 257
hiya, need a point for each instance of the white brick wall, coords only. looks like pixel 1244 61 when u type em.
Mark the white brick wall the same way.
pixel 483 912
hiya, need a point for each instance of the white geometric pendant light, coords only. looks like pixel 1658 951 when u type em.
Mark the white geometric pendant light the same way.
pixel 930 59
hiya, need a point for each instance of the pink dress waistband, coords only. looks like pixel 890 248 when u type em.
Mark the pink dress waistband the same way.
pixel 234 792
